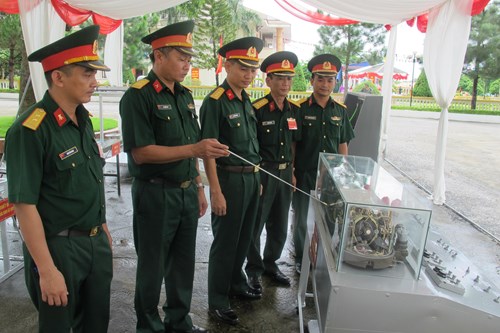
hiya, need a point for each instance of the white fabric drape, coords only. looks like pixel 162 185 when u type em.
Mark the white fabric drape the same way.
pixel 113 56
pixel 444 50
pixel 376 11
pixel 387 91
pixel 41 26
pixel 121 9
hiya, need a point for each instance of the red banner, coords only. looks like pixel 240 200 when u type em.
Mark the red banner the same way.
pixel 6 209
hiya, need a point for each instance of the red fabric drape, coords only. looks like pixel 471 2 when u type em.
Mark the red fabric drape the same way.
pixel 71 15
pixel 218 70
pixel 313 17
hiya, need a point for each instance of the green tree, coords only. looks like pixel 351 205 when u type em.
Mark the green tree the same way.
pixel 421 86
pixel 368 87
pixel 246 20
pixel 352 43
pixel 215 19
pixel 495 87
pixel 180 12
pixel 483 52
pixel 12 42
pixel 299 81
pixel 135 52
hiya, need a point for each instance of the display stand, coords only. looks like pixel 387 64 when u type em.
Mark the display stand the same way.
pixel 374 265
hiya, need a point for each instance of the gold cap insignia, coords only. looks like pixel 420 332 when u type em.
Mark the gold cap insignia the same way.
pixel 189 38
pixel 285 64
pixel 327 65
pixel 94 47
pixel 252 52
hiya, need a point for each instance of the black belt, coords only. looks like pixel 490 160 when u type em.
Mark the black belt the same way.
pixel 169 183
pixel 75 232
pixel 239 169
pixel 276 166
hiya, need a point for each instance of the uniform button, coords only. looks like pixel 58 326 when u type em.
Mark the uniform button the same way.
pixel 268 131
pixel 88 157
pixel 282 157
pixel 282 143
pixel 168 118
pixel 189 138
pixel 310 124
pixel 102 206
pixel 73 165
pixel 100 181
pixel 324 136
pixel 324 123
pixel 281 130
pixel 238 124
pixel 324 151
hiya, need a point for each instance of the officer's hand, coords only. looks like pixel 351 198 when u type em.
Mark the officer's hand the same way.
pixel 210 148
pixel 218 204
pixel 202 202
pixel 53 288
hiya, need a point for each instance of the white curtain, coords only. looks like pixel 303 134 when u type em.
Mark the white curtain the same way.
pixel 113 56
pixel 387 91
pixel 444 50
pixel 41 26
pixel 376 11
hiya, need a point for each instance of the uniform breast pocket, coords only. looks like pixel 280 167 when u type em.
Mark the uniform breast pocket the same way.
pixel 268 132
pixel 237 130
pixel 71 174
pixel 334 127
pixel 168 130
pixel 309 125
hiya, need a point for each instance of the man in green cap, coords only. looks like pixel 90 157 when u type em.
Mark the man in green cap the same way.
pixel 227 115
pixel 323 127
pixel 56 185
pixel 162 138
pixel 276 128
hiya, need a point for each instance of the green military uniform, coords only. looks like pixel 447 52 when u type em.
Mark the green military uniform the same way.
pixel 321 130
pixel 55 164
pixel 275 139
pixel 164 197
pixel 233 123
pixel 276 131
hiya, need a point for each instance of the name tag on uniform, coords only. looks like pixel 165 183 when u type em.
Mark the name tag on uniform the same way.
pixel 268 123
pixel 292 123
pixel 310 117
pixel 164 107
pixel 234 115
pixel 68 153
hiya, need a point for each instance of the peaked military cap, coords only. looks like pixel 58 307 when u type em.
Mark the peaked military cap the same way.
pixel 324 64
pixel 280 63
pixel 79 48
pixel 178 35
pixel 245 50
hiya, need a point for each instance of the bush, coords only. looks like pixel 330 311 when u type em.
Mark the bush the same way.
pixel 367 87
pixel 421 87
pixel 128 77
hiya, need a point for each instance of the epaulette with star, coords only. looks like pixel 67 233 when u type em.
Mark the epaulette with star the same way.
pixel 35 119
pixel 217 93
pixel 341 104
pixel 260 103
pixel 296 103
pixel 140 84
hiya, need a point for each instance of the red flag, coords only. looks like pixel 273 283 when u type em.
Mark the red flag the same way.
pixel 218 70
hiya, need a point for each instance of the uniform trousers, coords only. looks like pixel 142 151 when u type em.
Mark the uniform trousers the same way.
pixel 274 206
pixel 164 225
pixel 87 266
pixel 232 235
pixel 306 181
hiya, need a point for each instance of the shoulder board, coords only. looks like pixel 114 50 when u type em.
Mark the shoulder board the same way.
pixel 341 104
pixel 186 88
pixel 302 100
pixel 35 119
pixel 139 84
pixel 260 103
pixel 296 103
pixel 217 93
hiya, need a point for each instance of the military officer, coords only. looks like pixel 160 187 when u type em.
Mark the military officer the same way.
pixel 56 185
pixel 227 115
pixel 162 138
pixel 276 125
pixel 324 127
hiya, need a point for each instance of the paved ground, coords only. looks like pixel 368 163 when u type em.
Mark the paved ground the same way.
pixel 472 178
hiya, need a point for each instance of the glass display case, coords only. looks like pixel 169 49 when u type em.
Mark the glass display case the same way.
pixel 375 222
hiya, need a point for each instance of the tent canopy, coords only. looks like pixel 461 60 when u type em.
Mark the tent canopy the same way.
pixel 376 71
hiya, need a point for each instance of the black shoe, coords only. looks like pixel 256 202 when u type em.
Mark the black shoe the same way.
pixel 195 329
pixel 227 316
pixel 255 284
pixel 298 268
pixel 249 294
pixel 279 277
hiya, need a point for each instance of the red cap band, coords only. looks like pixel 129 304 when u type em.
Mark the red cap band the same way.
pixel 324 67
pixel 250 54
pixel 70 56
pixel 284 66
pixel 173 40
